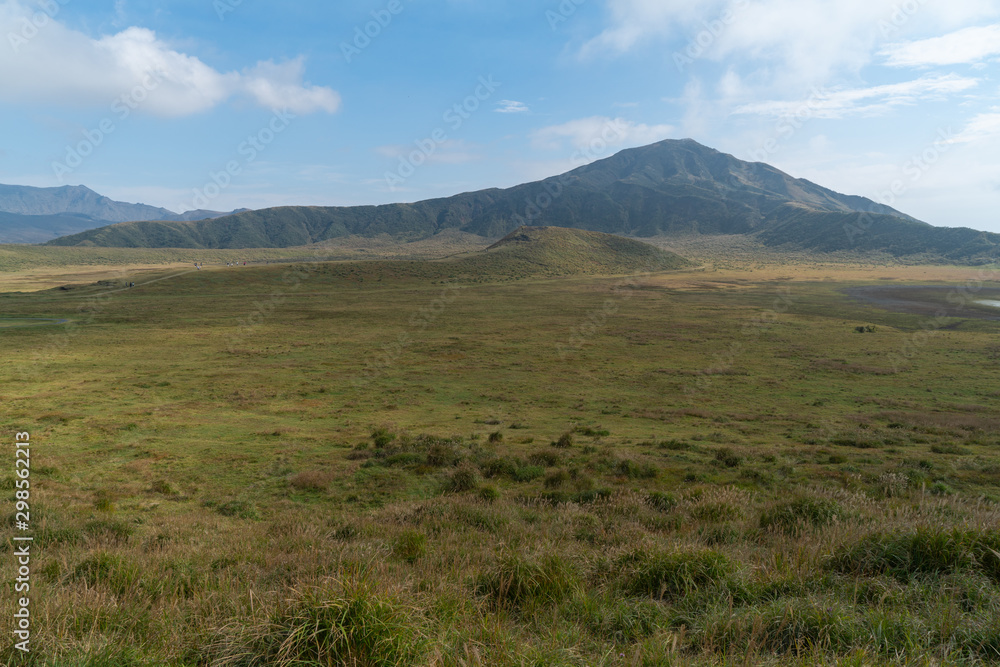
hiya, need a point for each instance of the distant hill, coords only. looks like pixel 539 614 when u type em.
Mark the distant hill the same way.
pixel 568 251
pixel 668 188
pixel 36 215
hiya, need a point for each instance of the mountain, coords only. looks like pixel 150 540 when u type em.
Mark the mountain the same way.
pixel 36 215
pixel 77 199
pixel 667 188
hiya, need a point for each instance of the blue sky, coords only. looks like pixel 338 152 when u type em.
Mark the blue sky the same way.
pixel 238 103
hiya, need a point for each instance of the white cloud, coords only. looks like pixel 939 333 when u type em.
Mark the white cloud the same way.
pixel 57 65
pixel 511 106
pixel 983 127
pixel 967 46
pixel 584 133
pixel 872 101
pixel 633 21
pixel 279 86
pixel 787 41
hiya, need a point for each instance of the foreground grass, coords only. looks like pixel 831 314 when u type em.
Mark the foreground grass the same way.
pixel 385 464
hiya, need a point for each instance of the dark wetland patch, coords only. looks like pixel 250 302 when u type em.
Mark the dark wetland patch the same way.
pixel 961 301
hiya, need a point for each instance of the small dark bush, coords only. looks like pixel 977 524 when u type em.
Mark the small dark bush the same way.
pixel 499 467
pixel 564 441
pixel 726 457
pixel 556 479
pixel 382 437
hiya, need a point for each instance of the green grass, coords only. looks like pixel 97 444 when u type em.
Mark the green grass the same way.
pixel 364 472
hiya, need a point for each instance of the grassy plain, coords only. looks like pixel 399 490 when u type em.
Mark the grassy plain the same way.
pixel 391 463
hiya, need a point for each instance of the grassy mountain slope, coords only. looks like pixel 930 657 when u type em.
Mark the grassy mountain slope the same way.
pixel 672 187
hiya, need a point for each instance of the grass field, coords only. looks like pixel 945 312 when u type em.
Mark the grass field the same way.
pixel 392 463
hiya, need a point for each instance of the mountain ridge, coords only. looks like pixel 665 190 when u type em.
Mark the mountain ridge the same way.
pixel 35 215
pixel 668 188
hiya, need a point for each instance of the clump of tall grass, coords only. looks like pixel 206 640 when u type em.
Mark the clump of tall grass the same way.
pixel 793 516
pixel 668 575
pixel 465 478
pixel 783 627
pixel 349 624
pixel 926 551
pixel 410 546
pixel 519 582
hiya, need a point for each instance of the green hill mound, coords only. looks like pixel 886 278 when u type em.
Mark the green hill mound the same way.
pixel 556 250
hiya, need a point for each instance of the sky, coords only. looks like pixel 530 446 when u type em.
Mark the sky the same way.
pixel 225 104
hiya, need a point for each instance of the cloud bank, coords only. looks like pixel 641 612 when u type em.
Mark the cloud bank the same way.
pixel 44 61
